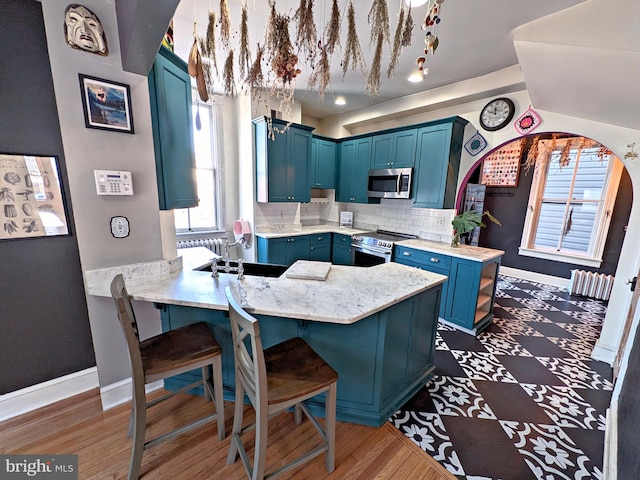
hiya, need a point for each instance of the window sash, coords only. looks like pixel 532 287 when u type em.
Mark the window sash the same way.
pixel 206 216
pixel 590 255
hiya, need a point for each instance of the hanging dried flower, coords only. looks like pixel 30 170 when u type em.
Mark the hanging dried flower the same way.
pixel 379 21
pixel 554 139
pixel 194 55
pixel 255 77
pixel 210 42
pixel 565 154
pixel 407 32
pixel 532 154
pixel 373 81
pixel 397 42
pixel 332 32
pixel 603 152
pixel 227 76
pixel 352 53
pixel 245 55
pixel 307 36
pixel 225 24
pixel 321 75
pixel 283 60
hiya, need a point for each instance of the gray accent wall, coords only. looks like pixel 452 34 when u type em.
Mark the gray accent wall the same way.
pixel 43 312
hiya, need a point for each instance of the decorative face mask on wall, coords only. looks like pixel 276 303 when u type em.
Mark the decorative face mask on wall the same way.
pixel 83 30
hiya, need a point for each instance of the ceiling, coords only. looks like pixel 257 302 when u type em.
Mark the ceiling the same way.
pixel 475 39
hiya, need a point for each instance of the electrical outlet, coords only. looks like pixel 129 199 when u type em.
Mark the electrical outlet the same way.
pixel 440 222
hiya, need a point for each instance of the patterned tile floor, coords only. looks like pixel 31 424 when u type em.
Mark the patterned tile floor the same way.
pixel 521 401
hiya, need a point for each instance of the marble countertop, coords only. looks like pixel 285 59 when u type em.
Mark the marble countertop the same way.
pixel 311 230
pixel 468 252
pixel 347 295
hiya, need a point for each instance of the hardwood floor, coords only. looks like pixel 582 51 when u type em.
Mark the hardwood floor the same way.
pixel 79 426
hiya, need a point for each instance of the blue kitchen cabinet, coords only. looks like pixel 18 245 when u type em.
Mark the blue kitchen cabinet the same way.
pixel 283 250
pixel 394 150
pixel 355 160
pixel 437 165
pixel 431 262
pixel 320 247
pixel 324 159
pixel 342 252
pixel 469 293
pixel 282 161
pixel 382 359
pixel 173 143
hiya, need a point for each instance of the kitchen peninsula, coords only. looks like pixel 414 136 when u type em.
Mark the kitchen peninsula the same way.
pixel 376 326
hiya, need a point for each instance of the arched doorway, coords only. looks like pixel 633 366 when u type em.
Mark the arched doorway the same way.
pixel 508 199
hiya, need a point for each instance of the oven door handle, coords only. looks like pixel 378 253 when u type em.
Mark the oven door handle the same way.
pixel 372 250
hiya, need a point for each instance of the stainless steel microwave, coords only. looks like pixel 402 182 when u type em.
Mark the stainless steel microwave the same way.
pixel 390 183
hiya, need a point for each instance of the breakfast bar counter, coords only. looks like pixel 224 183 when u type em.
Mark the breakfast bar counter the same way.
pixel 375 326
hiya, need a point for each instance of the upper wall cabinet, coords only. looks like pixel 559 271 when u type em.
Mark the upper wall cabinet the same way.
pixel 394 150
pixel 282 161
pixel 355 159
pixel 170 96
pixel 437 164
pixel 324 158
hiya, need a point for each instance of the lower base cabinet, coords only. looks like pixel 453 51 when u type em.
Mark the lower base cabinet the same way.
pixel 325 247
pixel 382 360
pixel 468 294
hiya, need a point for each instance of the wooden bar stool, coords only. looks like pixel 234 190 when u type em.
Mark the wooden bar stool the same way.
pixel 162 356
pixel 276 379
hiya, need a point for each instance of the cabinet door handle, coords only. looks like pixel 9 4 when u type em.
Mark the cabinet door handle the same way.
pixel 406 254
pixel 435 260
pixel 311 248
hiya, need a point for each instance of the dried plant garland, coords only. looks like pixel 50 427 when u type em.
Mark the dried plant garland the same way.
pixel 225 24
pixel 306 33
pixel 332 32
pixel 255 77
pixel 565 154
pixel 407 32
pixel 245 55
pixel 397 43
pixel 373 81
pixel 532 154
pixel 379 21
pixel 352 52
pixel 228 77
pixel 209 48
pixel 321 75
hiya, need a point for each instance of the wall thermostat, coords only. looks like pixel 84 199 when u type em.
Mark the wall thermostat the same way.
pixel 119 227
pixel 113 182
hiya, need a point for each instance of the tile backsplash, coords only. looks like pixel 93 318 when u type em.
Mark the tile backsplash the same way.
pixel 393 215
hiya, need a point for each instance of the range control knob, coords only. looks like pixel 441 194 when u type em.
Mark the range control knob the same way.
pixel 356 238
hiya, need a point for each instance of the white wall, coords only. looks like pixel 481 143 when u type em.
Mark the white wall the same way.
pixel 88 149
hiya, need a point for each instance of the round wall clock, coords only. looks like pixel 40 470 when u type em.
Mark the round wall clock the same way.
pixel 497 114
pixel 120 227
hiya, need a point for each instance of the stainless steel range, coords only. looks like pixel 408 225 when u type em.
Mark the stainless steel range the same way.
pixel 374 248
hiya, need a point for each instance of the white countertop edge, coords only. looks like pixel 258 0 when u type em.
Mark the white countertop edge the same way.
pixel 349 294
pixel 312 230
pixel 467 252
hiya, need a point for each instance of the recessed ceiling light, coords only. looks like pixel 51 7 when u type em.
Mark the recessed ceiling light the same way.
pixel 415 77
pixel 340 101
pixel 415 3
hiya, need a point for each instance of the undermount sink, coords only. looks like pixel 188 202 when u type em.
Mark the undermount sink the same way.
pixel 256 269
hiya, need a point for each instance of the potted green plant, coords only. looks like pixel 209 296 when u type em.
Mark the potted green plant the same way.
pixel 466 222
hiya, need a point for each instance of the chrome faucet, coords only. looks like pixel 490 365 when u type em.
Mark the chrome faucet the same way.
pixel 227 268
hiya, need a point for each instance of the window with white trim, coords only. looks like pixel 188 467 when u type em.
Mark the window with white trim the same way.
pixel 206 216
pixel 572 198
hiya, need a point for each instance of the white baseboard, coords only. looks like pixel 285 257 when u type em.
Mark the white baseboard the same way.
pixel 603 354
pixel 610 464
pixel 36 396
pixel 535 277
pixel 120 392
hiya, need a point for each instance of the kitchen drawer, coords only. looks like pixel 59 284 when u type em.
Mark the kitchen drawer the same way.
pixel 427 259
pixel 320 239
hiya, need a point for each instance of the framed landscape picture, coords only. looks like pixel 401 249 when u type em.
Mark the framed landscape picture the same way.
pixel 106 104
